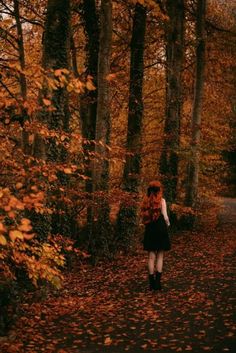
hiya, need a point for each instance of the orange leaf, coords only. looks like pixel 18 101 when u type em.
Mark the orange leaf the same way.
pixel 2 227
pixel 14 234
pixel 90 86
pixel 108 341
pixel 67 171
pixel 47 102
pixel 58 72
pixel 110 77
pixel 19 186
pixel 3 240
pixel 28 236
pixel 25 227
pixel 25 221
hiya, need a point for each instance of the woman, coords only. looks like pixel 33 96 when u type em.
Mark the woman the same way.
pixel 156 238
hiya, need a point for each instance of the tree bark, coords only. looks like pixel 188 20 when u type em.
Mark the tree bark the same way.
pixel 101 172
pixel 193 166
pixel 131 177
pixel 56 55
pixel 22 79
pixel 20 42
pixel 101 167
pixel 127 218
pixel 174 66
pixel 88 102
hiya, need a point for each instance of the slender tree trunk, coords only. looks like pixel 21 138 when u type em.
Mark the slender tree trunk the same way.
pixel 174 66
pixel 22 79
pixel 20 42
pixel 127 218
pixel 101 167
pixel 88 102
pixel 131 177
pixel 101 173
pixel 193 167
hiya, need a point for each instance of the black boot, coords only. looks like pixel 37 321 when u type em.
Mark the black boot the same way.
pixel 158 280
pixel 152 284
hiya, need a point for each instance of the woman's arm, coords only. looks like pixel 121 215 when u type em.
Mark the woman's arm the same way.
pixel 164 211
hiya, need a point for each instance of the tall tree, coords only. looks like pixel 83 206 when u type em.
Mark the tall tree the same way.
pixel 127 219
pixel 56 55
pixel 56 63
pixel 56 49
pixel 103 124
pixel 193 166
pixel 88 102
pixel 22 78
pixel 21 51
pixel 174 66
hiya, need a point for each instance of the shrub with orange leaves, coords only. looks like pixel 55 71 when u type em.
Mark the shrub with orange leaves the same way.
pixel 19 246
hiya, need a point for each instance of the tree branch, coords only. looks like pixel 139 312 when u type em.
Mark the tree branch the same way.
pixel 9 92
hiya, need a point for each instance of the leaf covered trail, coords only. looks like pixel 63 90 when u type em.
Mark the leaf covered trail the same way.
pixel 108 308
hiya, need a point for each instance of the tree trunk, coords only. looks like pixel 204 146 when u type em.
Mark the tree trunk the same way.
pixel 174 66
pixel 101 173
pixel 20 42
pixel 101 167
pixel 127 218
pixel 193 166
pixel 56 49
pixel 88 102
pixel 56 55
pixel 22 79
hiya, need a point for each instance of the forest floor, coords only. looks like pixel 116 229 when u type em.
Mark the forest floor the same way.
pixel 108 308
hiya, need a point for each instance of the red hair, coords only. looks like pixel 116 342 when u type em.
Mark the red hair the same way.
pixel 151 206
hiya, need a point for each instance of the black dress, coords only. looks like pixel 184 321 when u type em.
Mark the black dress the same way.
pixel 156 235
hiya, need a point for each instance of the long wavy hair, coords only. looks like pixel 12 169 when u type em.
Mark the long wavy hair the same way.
pixel 151 206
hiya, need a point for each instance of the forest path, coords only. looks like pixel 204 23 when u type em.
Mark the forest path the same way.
pixel 227 214
pixel 108 308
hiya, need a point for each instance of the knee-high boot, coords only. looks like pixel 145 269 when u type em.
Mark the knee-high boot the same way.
pixel 152 284
pixel 158 280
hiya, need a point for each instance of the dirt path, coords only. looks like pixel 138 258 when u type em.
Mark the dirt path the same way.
pixel 109 309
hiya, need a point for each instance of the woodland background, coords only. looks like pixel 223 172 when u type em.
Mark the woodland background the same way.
pixel 97 98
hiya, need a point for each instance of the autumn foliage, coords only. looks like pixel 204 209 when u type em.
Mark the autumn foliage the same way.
pixel 80 139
